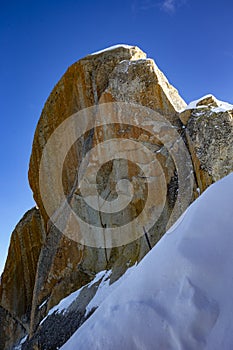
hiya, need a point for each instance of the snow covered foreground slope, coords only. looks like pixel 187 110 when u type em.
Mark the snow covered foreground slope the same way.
pixel 180 295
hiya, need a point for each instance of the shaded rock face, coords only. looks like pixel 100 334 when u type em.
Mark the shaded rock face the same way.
pixel 43 265
pixel 209 131
pixel 11 330
pixel 18 278
pixel 58 327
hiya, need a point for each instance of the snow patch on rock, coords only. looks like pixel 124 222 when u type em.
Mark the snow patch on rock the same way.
pixel 220 106
pixel 112 48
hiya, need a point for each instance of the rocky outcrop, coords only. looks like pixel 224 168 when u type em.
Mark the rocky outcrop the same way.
pixel 83 85
pixel 43 264
pixel 209 131
pixel 122 74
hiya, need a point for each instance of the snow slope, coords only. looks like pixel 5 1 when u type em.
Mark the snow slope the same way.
pixel 180 296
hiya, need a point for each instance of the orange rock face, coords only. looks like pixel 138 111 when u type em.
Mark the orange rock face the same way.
pixel 79 88
pixel 18 278
pixel 46 263
pixel 119 75
pixel 147 161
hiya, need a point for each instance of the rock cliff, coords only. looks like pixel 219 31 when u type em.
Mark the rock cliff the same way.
pixel 18 278
pixel 121 75
pixel 44 265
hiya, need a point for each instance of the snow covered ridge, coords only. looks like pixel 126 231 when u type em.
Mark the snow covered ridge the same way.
pixel 112 48
pixel 209 101
pixel 180 294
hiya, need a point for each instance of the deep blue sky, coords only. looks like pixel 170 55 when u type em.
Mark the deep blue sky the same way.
pixel 191 41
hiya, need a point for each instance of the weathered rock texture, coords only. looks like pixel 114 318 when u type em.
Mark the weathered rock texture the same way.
pixel 43 266
pixel 209 131
pixel 11 330
pixel 58 327
pixel 18 278
pixel 64 265
pixel 79 88
pixel 82 86
pixel 141 81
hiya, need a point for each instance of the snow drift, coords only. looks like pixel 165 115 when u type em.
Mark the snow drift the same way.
pixel 180 295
